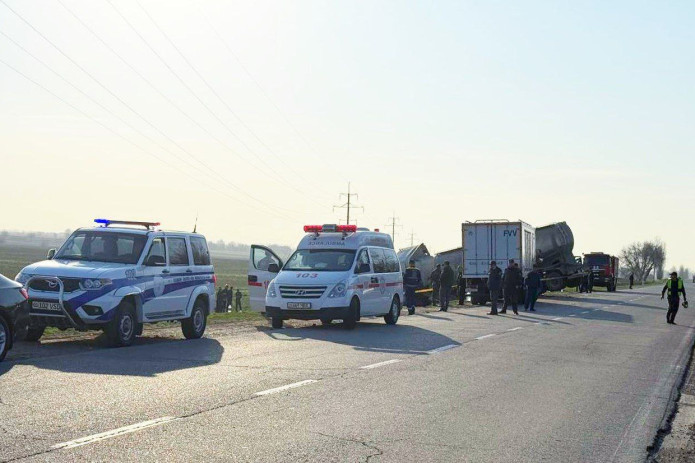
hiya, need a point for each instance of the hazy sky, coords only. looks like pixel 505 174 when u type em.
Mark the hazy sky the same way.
pixel 255 115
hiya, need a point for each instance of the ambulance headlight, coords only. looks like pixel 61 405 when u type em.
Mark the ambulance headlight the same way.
pixel 271 290
pixel 90 284
pixel 339 290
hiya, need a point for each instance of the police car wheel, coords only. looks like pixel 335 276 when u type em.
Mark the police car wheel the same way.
pixel 276 322
pixel 34 333
pixel 391 318
pixel 194 326
pixel 121 330
pixel 4 338
pixel 350 321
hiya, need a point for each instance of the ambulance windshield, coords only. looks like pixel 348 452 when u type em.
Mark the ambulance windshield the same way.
pixel 321 260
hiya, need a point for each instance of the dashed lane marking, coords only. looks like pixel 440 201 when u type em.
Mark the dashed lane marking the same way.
pixel 556 318
pixel 442 349
pixel 380 364
pixel 485 337
pixel 286 387
pixel 114 433
pixel 573 315
pixel 586 311
pixel 515 329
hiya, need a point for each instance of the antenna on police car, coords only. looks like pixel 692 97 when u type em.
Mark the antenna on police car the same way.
pixel 195 227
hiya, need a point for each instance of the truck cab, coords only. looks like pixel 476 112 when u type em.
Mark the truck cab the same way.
pixel 603 269
pixel 337 272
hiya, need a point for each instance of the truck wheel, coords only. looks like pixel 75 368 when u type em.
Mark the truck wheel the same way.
pixel 193 327
pixel 5 339
pixel 121 330
pixel 34 333
pixel 350 321
pixel 391 318
pixel 555 282
pixel 277 322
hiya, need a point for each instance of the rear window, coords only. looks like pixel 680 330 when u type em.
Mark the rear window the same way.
pixel 378 260
pixel 201 255
pixel 178 252
pixel 392 265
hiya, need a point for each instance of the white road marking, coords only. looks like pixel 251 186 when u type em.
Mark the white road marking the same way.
pixel 442 349
pixel 380 364
pixel 556 318
pixel 573 315
pixel 485 337
pixel 286 387
pixel 586 311
pixel 114 433
pixel 517 328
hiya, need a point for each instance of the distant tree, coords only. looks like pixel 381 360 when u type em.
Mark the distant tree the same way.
pixel 642 258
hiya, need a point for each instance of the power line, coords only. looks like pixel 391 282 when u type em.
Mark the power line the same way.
pixel 348 205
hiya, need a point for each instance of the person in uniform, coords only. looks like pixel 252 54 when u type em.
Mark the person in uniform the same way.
pixel 435 278
pixel 533 286
pixel 461 287
pixel 237 306
pixel 494 285
pixel 446 281
pixel 674 286
pixel 412 280
pixel 511 283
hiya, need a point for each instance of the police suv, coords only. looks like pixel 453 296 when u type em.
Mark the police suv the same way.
pixel 338 272
pixel 119 275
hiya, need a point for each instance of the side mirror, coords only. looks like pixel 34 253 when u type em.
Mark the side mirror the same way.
pixel 155 261
pixel 363 268
pixel 273 268
pixel 51 253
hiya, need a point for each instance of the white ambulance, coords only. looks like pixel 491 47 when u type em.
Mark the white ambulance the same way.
pixel 338 272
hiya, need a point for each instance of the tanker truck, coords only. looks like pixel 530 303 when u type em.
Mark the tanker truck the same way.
pixel 554 245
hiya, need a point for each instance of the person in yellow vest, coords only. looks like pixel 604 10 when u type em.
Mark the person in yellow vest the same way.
pixel 674 286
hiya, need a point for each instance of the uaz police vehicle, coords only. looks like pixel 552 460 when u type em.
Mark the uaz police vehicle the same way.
pixel 119 275
pixel 337 272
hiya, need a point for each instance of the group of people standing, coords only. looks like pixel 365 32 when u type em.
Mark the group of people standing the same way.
pixel 442 278
pixel 510 285
pixel 226 298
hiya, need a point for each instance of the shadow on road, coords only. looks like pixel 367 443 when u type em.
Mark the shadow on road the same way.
pixel 599 300
pixel 549 308
pixel 371 337
pixel 147 357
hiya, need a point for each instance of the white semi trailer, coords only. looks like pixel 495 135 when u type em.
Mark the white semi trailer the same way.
pixel 500 240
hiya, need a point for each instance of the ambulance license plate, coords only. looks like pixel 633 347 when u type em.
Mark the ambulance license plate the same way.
pixel 41 305
pixel 299 305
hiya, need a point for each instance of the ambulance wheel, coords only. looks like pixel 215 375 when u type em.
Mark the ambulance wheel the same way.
pixel 276 322
pixel 34 333
pixel 193 327
pixel 391 318
pixel 326 321
pixel 350 321
pixel 5 339
pixel 121 330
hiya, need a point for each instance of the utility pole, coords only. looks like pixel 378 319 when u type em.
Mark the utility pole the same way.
pixel 393 223
pixel 412 237
pixel 348 205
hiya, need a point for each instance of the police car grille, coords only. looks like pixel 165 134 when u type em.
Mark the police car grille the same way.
pixel 69 285
pixel 302 292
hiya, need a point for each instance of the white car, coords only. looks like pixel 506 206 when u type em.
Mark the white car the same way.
pixel 119 275
pixel 338 272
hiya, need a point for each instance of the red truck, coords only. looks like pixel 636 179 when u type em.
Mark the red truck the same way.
pixel 604 269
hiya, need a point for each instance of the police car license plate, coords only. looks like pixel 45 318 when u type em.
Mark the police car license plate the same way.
pixel 41 305
pixel 299 305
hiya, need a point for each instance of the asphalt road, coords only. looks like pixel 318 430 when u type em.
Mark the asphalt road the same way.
pixel 585 379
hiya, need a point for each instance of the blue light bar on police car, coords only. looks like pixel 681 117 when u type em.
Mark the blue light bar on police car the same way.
pixel 107 222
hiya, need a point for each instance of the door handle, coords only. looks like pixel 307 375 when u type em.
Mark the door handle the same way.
pixel 166 271
pixel 375 280
pixel 189 271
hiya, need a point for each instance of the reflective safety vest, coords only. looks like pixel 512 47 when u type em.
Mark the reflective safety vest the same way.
pixel 669 285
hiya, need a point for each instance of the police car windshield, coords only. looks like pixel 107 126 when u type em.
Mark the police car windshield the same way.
pixel 321 260
pixel 121 248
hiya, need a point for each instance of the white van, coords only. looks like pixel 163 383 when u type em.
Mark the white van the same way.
pixel 338 272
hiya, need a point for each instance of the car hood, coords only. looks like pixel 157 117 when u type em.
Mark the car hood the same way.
pixel 292 277
pixel 71 268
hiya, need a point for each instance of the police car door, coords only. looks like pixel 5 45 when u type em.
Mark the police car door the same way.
pixel 260 273
pixel 157 275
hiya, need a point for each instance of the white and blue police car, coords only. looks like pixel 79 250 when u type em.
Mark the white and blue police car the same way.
pixel 119 275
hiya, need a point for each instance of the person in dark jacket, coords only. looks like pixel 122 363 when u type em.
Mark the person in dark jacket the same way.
pixel 446 282
pixel 632 280
pixel 533 287
pixel 674 286
pixel 435 278
pixel 511 283
pixel 412 280
pixel 461 287
pixel 494 285
pixel 220 300
pixel 238 301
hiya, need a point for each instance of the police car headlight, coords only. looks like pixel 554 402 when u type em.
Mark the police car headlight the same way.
pixel 271 290
pixel 338 290
pixel 22 277
pixel 94 283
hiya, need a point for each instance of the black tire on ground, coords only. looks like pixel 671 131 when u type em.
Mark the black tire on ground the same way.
pixel 555 282
pixel 121 330
pixel 193 327
pixel 5 339
pixel 326 321
pixel 350 321
pixel 479 299
pixel 276 322
pixel 34 333
pixel 391 318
